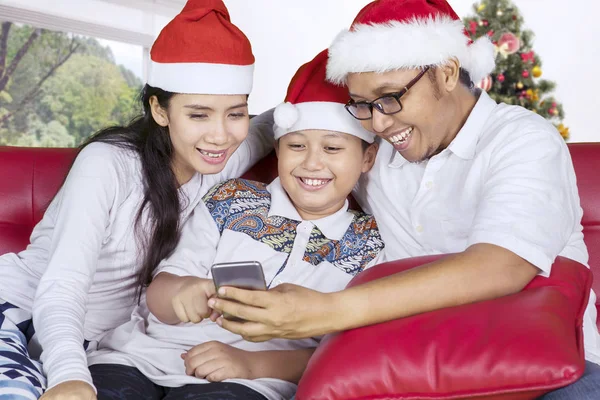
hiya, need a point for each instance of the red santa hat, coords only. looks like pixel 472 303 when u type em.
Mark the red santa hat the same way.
pixel 201 52
pixel 389 35
pixel 314 103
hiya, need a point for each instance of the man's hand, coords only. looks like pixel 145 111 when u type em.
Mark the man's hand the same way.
pixel 286 311
pixel 215 362
pixel 190 301
pixel 70 390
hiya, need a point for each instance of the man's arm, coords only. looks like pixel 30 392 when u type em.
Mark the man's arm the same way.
pixel 482 272
pixel 524 218
pixel 287 365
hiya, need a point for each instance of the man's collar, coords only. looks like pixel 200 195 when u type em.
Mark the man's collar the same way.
pixel 465 142
pixel 333 226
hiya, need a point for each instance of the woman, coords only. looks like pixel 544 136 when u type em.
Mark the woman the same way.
pixel 119 211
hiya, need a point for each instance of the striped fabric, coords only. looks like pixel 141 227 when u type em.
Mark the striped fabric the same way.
pixel 20 377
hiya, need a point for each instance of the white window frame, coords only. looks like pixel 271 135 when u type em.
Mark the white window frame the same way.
pixel 159 7
pixel 69 25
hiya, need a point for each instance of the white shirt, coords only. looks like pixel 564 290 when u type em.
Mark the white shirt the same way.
pixel 253 223
pixel 506 179
pixel 84 256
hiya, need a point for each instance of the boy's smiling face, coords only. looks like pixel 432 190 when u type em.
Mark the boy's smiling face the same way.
pixel 318 169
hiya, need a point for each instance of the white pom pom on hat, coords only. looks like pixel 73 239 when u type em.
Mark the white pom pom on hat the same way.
pixel 285 115
pixel 480 59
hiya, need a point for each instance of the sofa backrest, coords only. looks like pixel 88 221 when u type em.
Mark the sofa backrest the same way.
pixel 29 178
pixel 586 159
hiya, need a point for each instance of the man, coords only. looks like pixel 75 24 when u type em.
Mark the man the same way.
pixel 455 173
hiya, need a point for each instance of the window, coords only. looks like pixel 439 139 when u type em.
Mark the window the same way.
pixel 56 88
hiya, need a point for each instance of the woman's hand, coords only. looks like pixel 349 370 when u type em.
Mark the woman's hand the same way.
pixel 190 301
pixel 215 362
pixel 286 311
pixel 70 390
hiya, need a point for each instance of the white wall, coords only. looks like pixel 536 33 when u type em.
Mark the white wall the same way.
pixel 285 34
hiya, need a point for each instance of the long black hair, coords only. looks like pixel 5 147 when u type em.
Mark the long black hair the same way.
pixel 161 205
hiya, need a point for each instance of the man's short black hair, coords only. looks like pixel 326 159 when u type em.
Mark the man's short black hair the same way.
pixel 463 77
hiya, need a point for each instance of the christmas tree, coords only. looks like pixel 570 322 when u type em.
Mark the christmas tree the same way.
pixel 516 79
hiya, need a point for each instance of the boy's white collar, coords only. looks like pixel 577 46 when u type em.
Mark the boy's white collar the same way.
pixel 333 226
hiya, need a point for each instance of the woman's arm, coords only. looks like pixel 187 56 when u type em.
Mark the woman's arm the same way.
pixel 83 208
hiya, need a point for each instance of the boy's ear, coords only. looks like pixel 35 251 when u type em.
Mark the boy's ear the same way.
pixel 369 156
pixel 276 147
pixel 158 113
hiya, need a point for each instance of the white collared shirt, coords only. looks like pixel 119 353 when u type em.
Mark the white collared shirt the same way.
pixel 254 223
pixel 506 179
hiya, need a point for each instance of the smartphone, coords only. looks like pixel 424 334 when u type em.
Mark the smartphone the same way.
pixel 240 274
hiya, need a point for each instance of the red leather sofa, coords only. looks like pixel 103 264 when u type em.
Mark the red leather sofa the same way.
pixel 29 177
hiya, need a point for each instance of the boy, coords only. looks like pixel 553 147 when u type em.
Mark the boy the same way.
pixel 298 227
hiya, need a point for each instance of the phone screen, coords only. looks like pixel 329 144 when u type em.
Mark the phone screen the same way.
pixel 245 275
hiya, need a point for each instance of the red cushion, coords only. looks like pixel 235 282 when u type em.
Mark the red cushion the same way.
pixel 515 347
pixel 263 171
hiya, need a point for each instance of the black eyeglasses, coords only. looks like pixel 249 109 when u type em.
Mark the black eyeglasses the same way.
pixel 387 104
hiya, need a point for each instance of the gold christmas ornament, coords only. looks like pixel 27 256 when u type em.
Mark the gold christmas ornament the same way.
pixel 499 13
pixel 563 130
pixel 519 85
pixel 481 7
pixel 536 71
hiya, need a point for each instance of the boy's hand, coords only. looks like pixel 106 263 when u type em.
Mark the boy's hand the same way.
pixel 215 362
pixel 70 390
pixel 190 302
pixel 214 316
